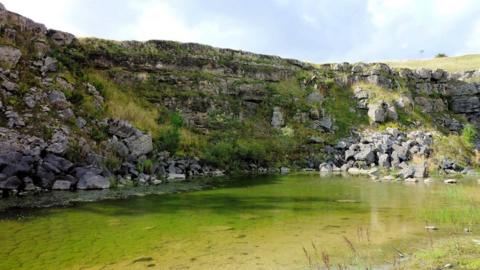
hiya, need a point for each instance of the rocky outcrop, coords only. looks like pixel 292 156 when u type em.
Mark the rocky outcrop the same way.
pixel 132 141
pixel 389 149
pixel 9 56
pixel 277 118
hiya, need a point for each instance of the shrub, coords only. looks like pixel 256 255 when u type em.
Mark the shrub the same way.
pixel 469 134
pixel 252 150
pixel 99 133
pixel 222 154
pixel 145 166
pixel 168 140
pixel 76 98
pixel 440 55
pixel 176 120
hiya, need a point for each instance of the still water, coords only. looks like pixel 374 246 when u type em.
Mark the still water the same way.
pixel 279 222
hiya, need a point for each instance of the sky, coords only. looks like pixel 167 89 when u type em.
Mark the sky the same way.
pixel 312 30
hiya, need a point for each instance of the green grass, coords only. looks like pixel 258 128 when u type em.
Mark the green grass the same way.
pixel 122 103
pixel 451 64
pixel 340 104
pixel 461 252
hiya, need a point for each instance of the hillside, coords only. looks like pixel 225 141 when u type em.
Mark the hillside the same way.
pixel 94 113
pixel 470 62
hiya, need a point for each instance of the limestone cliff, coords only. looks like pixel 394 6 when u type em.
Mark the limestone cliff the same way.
pixel 74 112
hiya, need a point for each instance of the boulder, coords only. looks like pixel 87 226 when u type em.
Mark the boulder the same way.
pixel 425 74
pixel 377 112
pixel 366 154
pixel 61 185
pixel 325 168
pixel 450 181
pixel 326 124
pixel 383 160
pixel 118 147
pixel 49 65
pixel 9 56
pixel 92 180
pixel 61 38
pixel 176 177
pixel 56 164
pixel 58 100
pixel 314 98
pixel 45 177
pixel 139 145
pixel 11 183
pixel 407 172
pixel 121 128
pixel 81 123
pixel 9 86
pixel 277 118
pixel 59 143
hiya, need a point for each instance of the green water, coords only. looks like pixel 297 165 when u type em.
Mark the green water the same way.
pixel 264 223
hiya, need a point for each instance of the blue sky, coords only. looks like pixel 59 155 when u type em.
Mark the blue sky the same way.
pixel 312 30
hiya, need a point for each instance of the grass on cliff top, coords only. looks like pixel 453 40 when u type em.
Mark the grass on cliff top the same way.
pixel 451 64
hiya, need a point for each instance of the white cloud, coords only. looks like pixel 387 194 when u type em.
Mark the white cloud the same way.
pixel 159 20
pixel 473 44
pixel 54 14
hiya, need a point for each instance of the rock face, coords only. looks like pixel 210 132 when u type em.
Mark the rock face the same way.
pixel 134 142
pixel 9 56
pixel 381 111
pixel 277 118
pixel 139 144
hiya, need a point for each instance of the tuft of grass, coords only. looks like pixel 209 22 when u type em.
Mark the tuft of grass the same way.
pixel 461 252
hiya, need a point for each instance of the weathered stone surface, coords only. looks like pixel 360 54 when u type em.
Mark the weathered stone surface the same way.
pixel 90 178
pixel 11 183
pixel 9 56
pixel 139 145
pixel 314 98
pixel 425 74
pixel 118 147
pixel 377 112
pixel 9 86
pixel 176 177
pixel 122 129
pixel 326 123
pixel 61 185
pixel 61 38
pixel 59 143
pixel 366 154
pixel 57 164
pixel 383 160
pixel 49 65
pixel 277 118
pixel 465 104
pixel 407 172
pixel 58 99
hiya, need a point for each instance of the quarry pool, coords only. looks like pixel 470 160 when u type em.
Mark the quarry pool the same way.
pixel 282 222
